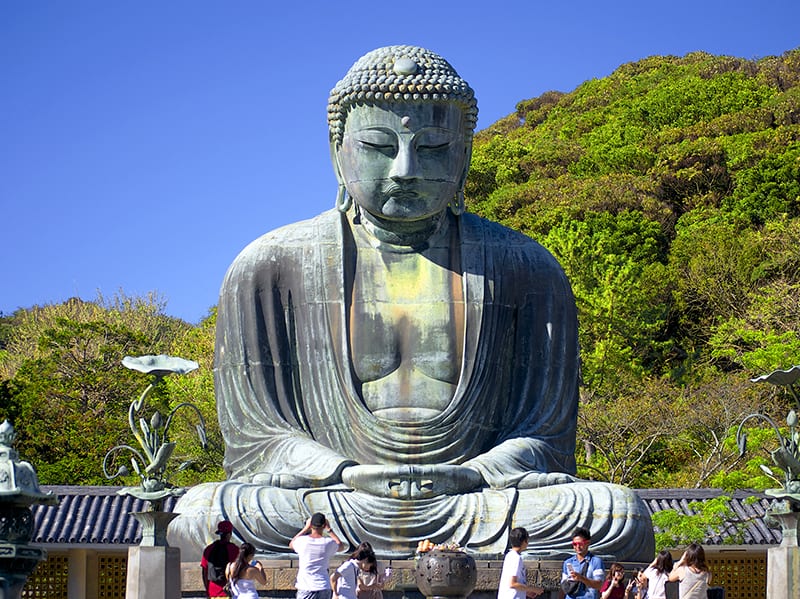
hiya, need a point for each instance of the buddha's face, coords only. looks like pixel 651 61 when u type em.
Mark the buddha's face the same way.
pixel 404 162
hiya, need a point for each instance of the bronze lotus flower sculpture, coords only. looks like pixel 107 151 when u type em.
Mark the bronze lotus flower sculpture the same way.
pixel 787 455
pixel 152 461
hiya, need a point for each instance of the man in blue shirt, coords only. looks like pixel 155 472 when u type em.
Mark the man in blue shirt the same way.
pixel 582 568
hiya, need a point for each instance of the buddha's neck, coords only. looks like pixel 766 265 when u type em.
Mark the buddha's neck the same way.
pixel 412 234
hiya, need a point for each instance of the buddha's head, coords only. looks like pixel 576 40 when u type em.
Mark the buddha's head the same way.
pixel 401 124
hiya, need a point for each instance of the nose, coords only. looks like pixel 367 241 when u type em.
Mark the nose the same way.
pixel 405 165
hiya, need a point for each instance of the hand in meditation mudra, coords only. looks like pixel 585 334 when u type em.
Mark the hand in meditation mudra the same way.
pixel 408 368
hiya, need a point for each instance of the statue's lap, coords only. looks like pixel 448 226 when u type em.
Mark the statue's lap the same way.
pixel 269 517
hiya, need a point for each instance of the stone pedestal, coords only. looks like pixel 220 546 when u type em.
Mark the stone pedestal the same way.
pixel 783 562
pixel 154 527
pixel 154 568
pixel 154 573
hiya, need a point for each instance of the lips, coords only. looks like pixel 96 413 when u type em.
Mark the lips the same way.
pixel 404 195
pixel 401 192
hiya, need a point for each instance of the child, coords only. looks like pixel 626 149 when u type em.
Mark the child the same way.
pixel 638 586
pixel 344 581
pixel 370 579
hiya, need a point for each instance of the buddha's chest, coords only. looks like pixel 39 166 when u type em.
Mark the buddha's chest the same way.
pixel 406 313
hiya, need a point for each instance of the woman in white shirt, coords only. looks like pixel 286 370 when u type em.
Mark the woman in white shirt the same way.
pixel 693 573
pixel 243 573
pixel 657 574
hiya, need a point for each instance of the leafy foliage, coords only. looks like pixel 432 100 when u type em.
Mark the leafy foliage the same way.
pixel 710 518
pixel 68 393
pixel 670 193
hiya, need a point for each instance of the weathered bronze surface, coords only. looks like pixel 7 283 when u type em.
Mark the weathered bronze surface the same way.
pixel 408 368
pixel 449 574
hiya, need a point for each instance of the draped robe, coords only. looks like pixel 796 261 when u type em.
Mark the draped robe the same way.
pixel 292 417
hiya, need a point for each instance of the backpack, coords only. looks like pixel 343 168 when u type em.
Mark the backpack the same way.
pixel 217 561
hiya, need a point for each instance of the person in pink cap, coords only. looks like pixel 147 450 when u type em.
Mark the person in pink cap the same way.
pixel 216 557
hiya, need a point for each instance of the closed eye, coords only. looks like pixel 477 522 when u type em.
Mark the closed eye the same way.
pixel 377 139
pixel 433 139
pixel 377 146
pixel 433 146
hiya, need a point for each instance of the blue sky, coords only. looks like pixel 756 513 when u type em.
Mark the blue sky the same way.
pixel 144 144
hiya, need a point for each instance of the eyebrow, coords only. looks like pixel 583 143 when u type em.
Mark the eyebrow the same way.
pixel 390 129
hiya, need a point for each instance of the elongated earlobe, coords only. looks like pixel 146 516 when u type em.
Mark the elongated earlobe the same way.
pixel 343 199
pixel 457 204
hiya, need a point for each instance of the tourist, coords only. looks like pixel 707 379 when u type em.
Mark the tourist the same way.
pixel 657 574
pixel 315 551
pixel 637 587
pixel 344 581
pixel 243 573
pixel 370 577
pixel 216 558
pixel 693 573
pixel 614 584
pixel 582 573
pixel 513 577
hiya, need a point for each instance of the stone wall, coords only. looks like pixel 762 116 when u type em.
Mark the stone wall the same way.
pixel 281 576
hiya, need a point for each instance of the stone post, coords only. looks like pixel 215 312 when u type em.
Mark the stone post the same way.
pixel 783 562
pixel 19 489
pixel 154 568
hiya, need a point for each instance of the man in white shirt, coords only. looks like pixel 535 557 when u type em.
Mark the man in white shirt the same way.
pixel 514 578
pixel 315 551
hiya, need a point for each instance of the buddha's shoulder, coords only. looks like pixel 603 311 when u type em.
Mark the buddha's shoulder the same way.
pixel 295 237
pixel 282 250
pixel 502 241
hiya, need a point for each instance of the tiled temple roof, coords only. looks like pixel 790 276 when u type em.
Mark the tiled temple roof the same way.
pixel 90 516
pixel 98 516
pixel 747 505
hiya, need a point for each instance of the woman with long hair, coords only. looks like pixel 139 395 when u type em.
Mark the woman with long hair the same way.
pixel 614 585
pixel 344 581
pixel 657 574
pixel 370 579
pixel 243 573
pixel 693 573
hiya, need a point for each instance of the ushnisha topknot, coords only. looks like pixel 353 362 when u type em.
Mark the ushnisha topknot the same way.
pixel 399 73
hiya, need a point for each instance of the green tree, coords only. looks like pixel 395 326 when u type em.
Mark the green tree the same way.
pixel 197 344
pixel 614 262
pixel 68 392
pixel 668 191
pixel 709 518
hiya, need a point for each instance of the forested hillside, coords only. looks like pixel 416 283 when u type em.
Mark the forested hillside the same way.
pixel 670 193
pixel 65 390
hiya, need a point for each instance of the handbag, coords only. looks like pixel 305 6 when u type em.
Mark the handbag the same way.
pixel 571 587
